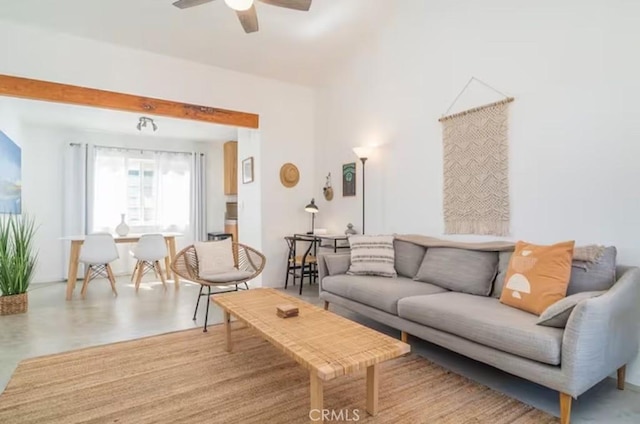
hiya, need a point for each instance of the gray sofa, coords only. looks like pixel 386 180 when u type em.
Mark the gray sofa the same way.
pixel 600 337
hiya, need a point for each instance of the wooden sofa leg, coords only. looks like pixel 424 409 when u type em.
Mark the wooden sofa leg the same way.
pixel 326 305
pixel 621 377
pixel 565 408
pixel 403 336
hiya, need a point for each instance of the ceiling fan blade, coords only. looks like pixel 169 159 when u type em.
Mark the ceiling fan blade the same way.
pixel 303 5
pixel 248 19
pixel 185 4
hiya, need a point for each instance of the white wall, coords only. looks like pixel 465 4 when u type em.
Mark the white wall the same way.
pixel 574 132
pixel 286 111
pixel 250 202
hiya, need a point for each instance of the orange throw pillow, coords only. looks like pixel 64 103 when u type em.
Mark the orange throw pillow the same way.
pixel 538 276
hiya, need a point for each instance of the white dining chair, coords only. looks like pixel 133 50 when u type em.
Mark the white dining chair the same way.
pixel 98 251
pixel 149 251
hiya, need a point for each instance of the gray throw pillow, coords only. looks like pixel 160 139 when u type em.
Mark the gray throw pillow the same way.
pixel 503 266
pixel 372 255
pixel 557 314
pixel 597 276
pixel 408 257
pixel 337 264
pixel 461 270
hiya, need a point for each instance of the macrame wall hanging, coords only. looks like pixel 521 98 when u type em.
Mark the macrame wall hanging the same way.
pixel 476 168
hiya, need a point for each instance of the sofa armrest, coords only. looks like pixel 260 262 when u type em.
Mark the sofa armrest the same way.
pixel 602 334
pixel 323 270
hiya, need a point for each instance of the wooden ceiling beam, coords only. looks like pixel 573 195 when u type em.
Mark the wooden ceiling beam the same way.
pixel 26 88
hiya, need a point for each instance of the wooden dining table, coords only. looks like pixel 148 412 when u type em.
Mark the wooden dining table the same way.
pixel 76 245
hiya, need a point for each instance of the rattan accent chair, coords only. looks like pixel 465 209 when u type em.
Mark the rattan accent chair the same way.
pixel 249 263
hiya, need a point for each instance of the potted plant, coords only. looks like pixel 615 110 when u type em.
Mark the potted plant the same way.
pixel 17 262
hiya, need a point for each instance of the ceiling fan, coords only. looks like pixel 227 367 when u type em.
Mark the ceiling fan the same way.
pixel 246 10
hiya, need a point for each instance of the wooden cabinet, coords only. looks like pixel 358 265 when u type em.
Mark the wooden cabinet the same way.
pixel 231 168
pixel 231 227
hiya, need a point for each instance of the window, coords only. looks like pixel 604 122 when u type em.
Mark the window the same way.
pixel 152 190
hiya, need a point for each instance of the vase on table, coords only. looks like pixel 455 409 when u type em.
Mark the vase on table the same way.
pixel 350 231
pixel 122 229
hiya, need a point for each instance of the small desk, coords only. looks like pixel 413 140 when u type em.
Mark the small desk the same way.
pixel 332 239
pixel 76 244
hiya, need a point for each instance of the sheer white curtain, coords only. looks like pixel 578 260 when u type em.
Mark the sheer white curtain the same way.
pixel 152 189
pixel 199 197
pixel 77 205
pixel 156 191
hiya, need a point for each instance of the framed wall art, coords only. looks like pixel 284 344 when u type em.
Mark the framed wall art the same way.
pixel 349 179
pixel 247 170
pixel 10 176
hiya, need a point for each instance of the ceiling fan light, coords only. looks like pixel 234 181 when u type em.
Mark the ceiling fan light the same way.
pixel 239 5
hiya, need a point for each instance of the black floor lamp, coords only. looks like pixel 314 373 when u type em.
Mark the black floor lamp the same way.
pixel 363 153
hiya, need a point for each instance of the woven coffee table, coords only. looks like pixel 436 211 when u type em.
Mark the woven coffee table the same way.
pixel 324 343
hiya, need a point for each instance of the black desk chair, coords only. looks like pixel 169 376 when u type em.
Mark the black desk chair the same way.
pixel 301 260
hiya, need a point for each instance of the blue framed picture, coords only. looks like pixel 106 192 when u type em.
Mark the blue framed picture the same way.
pixel 10 176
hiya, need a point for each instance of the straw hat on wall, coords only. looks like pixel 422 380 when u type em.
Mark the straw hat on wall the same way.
pixel 289 175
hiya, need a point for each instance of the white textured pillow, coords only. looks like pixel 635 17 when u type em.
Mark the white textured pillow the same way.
pixel 557 314
pixel 215 257
pixel 372 255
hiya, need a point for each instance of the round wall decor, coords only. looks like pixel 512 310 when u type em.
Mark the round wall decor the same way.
pixel 289 175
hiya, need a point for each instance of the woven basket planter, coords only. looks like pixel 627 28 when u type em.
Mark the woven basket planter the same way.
pixel 16 304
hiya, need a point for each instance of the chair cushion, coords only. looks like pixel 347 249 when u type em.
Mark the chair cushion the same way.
pixel 461 270
pixel 408 257
pixel 226 277
pixel 558 314
pixel 372 255
pixel 486 321
pixel 215 257
pixel 378 292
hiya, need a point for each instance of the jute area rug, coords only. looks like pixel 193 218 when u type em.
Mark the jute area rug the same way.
pixel 188 377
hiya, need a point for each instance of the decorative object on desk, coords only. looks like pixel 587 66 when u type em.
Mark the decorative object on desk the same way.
pixel 476 168
pixel 17 262
pixel 349 179
pixel 350 231
pixel 327 190
pixel 247 170
pixel 287 311
pixel 122 229
pixel 289 175
pixel 10 175
pixel 313 210
pixel 363 154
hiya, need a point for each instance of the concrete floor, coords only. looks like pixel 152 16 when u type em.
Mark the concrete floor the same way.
pixel 53 325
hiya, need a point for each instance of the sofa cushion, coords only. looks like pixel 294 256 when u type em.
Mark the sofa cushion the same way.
pixel 408 257
pixel 557 315
pixel 598 276
pixel 378 292
pixel 503 266
pixel 337 264
pixel 461 270
pixel 538 275
pixel 486 321
pixel 372 255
